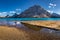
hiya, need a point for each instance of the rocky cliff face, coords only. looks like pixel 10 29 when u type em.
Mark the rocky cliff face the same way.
pixel 35 11
pixel 55 15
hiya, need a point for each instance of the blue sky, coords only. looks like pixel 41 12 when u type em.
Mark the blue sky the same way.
pixel 12 6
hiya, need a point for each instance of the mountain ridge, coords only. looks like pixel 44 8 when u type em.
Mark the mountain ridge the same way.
pixel 35 11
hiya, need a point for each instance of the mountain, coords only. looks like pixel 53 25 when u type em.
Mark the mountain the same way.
pixel 15 15
pixel 55 15
pixel 35 11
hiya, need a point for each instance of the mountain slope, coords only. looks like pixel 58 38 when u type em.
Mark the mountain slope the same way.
pixel 35 11
pixel 55 15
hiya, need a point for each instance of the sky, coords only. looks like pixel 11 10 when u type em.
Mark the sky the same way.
pixel 12 6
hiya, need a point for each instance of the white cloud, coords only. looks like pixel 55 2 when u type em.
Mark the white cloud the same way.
pixel 4 12
pixel 52 5
pixel 55 5
pixel 18 9
pixel 0 13
pixel 50 11
pixel 49 6
pixel 12 12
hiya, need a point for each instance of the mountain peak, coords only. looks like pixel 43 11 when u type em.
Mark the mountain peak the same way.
pixel 36 6
pixel 33 11
pixel 55 15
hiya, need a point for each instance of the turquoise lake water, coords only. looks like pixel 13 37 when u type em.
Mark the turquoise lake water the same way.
pixel 28 19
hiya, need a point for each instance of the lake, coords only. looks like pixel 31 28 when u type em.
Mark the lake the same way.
pixel 19 25
pixel 29 19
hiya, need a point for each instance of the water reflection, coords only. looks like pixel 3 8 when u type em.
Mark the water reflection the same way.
pixel 19 25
